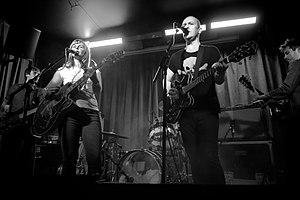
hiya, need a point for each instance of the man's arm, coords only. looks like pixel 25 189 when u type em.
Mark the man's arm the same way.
pixel 53 86
pixel 172 92
pixel 219 73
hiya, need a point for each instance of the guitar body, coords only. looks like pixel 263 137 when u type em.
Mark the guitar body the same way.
pixel 13 120
pixel 8 124
pixel 50 113
pixel 279 109
pixel 176 108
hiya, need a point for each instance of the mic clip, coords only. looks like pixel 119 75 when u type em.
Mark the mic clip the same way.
pixel 185 31
pixel 74 51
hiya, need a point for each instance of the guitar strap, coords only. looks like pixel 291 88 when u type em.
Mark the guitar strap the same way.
pixel 199 61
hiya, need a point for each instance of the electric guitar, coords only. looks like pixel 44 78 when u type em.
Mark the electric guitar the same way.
pixel 175 107
pixel 245 80
pixel 278 109
pixel 14 118
pixel 10 122
pixel 51 111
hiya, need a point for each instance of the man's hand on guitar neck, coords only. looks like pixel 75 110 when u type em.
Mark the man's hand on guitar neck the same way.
pixel 219 71
pixel 265 100
pixel 264 97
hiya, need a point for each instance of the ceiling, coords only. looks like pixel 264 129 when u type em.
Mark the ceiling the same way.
pixel 91 18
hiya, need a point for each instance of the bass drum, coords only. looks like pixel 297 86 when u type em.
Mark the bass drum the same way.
pixel 140 166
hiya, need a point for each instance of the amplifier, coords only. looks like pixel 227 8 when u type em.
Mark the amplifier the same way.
pixel 247 162
pixel 47 159
pixel 239 123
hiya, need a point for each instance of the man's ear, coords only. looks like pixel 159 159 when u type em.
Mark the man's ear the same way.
pixel 200 30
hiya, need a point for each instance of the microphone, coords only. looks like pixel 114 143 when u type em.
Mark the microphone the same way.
pixel 184 30
pixel 74 51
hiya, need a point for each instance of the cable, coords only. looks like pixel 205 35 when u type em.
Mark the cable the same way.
pixel 76 3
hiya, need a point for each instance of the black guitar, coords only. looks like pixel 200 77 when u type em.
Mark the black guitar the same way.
pixel 15 118
pixel 245 80
pixel 50 112
pixel 12 121
pixel 278 109
pixel 175 108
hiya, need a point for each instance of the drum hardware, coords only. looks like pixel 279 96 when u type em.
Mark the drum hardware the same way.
pixel 81 165
pixel 172 147
pixel 128 178
pixel 113 134
pixel 176 170
pixel 111 149
pixel 175 164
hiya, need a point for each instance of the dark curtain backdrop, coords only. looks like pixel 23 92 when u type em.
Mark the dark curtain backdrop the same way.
pixel 130 99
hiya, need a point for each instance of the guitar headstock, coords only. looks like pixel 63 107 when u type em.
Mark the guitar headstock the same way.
pixel 244 79
pixel 114 56
pixel 243 51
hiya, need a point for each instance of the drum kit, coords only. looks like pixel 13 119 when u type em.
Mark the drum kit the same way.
pixel 145 165
pixel 139 165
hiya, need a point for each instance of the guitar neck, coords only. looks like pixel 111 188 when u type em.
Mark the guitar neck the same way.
pixel 258 91
pixel 203 76
pixel 198 80
pixel 29 112
pixel 83 79
pixel 244 80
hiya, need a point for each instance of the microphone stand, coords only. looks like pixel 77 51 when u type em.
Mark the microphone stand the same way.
pixel 163 66
pixel 51 66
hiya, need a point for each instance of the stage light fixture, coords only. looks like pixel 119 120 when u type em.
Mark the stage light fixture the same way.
pixel 179 31
pixel 102 43
pixel 234 22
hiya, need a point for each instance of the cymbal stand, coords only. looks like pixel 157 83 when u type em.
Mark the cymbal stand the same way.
pixel 112 148
pixel 110 157
pixel 173 158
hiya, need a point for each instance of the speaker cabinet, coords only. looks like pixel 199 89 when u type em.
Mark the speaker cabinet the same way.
pixel 47 159
pixel 244 124
pixel 247 162
pixel 22 41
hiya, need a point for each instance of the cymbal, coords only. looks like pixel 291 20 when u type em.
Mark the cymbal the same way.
pixel 113 134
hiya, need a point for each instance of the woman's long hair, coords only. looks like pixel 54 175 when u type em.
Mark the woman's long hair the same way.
pixel 85 59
